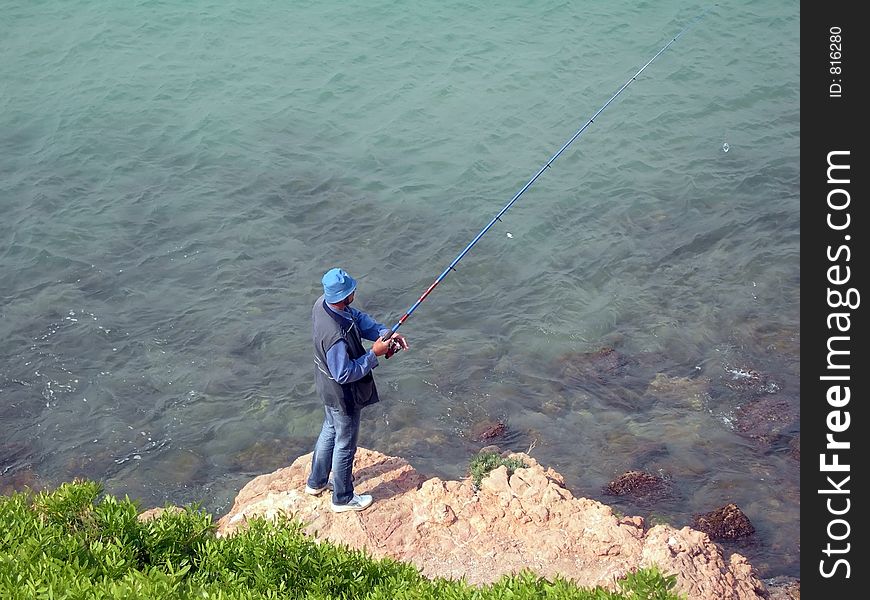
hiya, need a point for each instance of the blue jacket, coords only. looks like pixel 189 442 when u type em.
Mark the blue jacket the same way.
pixel 343 367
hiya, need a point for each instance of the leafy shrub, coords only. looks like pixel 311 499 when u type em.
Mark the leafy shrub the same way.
pixel 72 543
pixel 484 462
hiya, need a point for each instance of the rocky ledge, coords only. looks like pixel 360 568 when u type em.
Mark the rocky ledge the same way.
pixel 526 520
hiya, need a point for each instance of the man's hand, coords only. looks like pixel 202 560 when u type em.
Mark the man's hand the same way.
pixel 393 344
pixel 381 347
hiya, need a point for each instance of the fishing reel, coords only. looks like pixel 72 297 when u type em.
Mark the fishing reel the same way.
pixel 395 345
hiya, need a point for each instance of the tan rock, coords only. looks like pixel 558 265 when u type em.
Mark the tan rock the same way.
pixel 702 571
pixel 496 483
pixel 155 513
pixel 526 520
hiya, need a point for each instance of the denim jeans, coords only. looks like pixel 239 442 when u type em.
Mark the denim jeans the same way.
pixel 334 450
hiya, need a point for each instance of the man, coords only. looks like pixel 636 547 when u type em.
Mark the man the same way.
pixel 343 378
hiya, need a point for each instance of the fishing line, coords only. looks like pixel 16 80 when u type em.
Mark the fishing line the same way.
pixel 534 178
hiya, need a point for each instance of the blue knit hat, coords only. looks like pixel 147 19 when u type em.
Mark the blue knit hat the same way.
pixel 337 285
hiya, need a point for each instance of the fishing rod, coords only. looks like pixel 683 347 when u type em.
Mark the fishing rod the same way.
pixel 395 347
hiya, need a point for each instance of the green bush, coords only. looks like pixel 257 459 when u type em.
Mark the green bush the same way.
pixel 484 462
pixel 74 543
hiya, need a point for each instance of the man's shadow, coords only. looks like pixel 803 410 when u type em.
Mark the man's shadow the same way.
pixel 396 477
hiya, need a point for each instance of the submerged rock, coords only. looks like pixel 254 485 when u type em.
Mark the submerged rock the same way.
pixel 783 588
pixel 416 441
pixel 693 392
pixel 647 453
pixel 639 485
pixel 767 418
pixel 20 481
pixel 488 430
pixel 16 474
pixel 604 374
pixel 598 365
pixel 269 453
pixel 749 381
pixel 726 523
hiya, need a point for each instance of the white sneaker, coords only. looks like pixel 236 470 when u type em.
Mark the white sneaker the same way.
pixel 357 503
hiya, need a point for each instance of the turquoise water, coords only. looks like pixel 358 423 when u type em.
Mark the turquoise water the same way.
pixel 176 177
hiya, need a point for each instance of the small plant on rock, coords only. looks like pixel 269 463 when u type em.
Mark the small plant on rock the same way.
pixel 484 462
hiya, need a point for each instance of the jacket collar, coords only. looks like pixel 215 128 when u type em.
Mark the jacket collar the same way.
pixel 342 317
